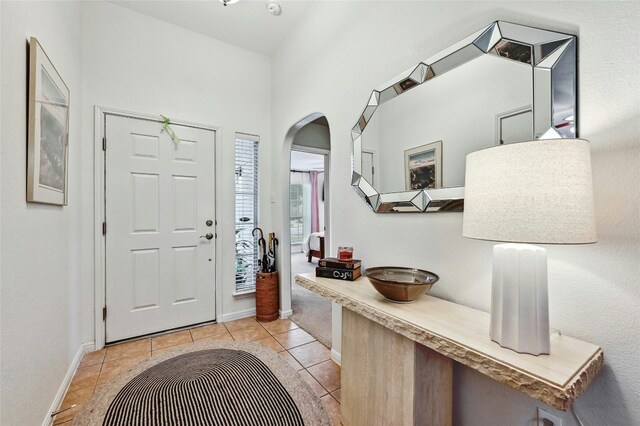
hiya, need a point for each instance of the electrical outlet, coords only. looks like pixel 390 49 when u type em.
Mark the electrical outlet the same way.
pixel 547 419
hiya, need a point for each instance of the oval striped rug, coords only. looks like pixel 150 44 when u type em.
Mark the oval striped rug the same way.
pixel 217 383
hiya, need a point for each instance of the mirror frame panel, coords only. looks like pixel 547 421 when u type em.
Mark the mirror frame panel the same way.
pixel 552 56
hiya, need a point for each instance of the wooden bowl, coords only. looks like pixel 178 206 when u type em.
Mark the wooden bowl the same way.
pixel 400 285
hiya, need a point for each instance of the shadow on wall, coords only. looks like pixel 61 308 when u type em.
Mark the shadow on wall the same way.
pixel 473 392
pixel 614 156
pixel 613 162
pixel 589 407
pixel 616 180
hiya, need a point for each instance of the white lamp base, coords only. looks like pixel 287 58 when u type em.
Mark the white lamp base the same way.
pixel 519 298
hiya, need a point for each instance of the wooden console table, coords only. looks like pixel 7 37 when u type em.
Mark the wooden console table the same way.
pixel 397 358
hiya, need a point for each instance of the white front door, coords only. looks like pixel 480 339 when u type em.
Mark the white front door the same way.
pixel 159 207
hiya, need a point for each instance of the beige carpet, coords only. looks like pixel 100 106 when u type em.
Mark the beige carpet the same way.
pixel 308 404
pixel 310 311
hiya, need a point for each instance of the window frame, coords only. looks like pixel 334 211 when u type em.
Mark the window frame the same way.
pixel 246 206
pixel 292 217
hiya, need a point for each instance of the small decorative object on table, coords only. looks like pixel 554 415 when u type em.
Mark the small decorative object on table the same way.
pixel 338 274
pixel 332 267
pixel 333 262
pixel 537 192
pixel 399 284
pixel 345 253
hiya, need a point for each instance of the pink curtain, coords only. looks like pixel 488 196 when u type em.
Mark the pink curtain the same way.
pixel 315 219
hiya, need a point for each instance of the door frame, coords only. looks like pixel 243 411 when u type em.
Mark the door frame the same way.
pixel 373 162
pixel 508 114
pixel 285 180
pixel 100 114
pixel 326 153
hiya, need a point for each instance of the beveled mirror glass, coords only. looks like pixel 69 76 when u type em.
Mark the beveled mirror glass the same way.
pixel 506 83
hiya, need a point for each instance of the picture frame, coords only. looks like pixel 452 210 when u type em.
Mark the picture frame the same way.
pixel 423 166
pixel 48 131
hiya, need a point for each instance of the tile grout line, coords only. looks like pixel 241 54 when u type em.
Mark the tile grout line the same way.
pixel 303 367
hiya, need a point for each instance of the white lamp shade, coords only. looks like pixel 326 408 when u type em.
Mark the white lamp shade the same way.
pixel 534 192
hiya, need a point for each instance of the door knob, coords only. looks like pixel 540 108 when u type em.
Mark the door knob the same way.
pixel 209 236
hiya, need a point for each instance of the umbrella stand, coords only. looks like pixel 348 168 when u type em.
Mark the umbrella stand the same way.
pixel 267 294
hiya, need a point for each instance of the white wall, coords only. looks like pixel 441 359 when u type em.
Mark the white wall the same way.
pixel 349 48
pixel 40 308
pixel 313 136
pixel 140 64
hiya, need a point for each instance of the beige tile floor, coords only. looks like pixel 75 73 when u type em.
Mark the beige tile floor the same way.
pixel 297 347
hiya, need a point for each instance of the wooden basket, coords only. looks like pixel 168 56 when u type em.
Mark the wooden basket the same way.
pixel 267 302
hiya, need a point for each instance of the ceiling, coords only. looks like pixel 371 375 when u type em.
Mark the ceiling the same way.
pixel 304 161
pixel 245 24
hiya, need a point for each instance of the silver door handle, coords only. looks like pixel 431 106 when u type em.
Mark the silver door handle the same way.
pixel 209 236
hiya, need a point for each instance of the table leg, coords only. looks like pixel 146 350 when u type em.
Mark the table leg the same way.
pixel 388 379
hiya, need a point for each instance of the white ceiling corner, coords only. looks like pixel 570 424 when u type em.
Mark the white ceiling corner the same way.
pixel 245 24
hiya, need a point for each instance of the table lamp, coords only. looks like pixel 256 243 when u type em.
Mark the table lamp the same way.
pixel 529 192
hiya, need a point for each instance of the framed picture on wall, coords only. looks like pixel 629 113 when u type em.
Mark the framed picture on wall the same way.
pixel 48 140
pixel 423 166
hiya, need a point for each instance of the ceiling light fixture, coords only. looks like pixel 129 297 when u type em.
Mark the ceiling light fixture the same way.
pixel 274 8
pixel 226 2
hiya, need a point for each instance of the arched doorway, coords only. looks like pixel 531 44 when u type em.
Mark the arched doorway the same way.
pixel 309 142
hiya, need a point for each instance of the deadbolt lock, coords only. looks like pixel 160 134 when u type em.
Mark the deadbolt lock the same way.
pixel 209 222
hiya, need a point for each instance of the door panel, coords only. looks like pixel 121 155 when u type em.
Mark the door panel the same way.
pixel 185 208
pixel 160 273
pixel 145 278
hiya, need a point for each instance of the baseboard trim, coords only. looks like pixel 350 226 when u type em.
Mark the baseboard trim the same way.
pixel 62 390
pixel 238 315
pixel 285 314
pixel 336 357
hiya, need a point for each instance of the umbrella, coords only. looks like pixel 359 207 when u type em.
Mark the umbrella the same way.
pixel 273 243
pixel 263 250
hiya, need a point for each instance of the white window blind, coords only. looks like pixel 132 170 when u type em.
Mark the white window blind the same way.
pixel 246 170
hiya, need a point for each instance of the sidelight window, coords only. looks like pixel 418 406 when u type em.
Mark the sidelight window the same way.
pixel 246 211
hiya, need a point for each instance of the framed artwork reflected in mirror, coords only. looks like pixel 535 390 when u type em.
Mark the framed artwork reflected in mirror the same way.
pixel 423 167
